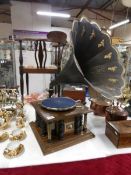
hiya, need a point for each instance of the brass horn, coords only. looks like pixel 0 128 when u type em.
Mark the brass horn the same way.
pixel 93 61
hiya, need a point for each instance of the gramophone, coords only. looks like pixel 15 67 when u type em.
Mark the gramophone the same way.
pixel 93 62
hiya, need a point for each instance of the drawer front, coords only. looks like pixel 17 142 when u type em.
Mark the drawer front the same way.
pixel 112 135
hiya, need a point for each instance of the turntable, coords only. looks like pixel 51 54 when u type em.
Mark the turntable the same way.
pixel 58 104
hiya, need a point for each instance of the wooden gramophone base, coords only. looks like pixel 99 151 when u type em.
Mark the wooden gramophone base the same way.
pixel 55 144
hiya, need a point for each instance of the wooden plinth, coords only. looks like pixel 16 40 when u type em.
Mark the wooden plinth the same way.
pixel 55 144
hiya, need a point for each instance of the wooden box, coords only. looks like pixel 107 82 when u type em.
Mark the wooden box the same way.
pixel 114 114
pixel 119 132
pixel 99 106
pixel 76 94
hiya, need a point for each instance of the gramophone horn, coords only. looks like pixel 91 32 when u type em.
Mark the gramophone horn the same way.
pixel 71 74
pixel 93 61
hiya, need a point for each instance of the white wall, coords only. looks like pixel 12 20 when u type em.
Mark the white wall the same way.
pixel 5 30
pixel 23 16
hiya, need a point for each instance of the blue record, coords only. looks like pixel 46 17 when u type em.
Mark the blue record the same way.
pixel 58 103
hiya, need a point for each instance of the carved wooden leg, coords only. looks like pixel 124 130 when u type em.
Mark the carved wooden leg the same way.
pixel 49 131
pixel 27 83
pixel 85 123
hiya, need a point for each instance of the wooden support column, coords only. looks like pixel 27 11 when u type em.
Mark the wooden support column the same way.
pixel 49 131
pixel 85 123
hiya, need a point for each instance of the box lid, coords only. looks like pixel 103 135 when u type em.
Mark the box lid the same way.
pixel 122 127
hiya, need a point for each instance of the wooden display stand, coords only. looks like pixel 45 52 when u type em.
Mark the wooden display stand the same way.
pixel 55 130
